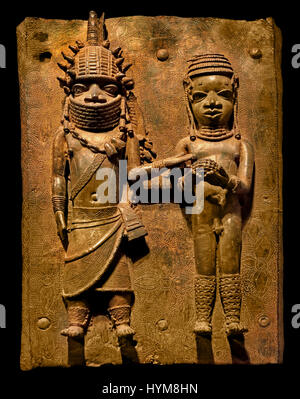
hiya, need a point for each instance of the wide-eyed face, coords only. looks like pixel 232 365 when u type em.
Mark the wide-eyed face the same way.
pixel 94 92
pixel 212 98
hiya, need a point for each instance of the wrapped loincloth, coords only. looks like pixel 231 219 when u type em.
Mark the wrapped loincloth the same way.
pixel 94 256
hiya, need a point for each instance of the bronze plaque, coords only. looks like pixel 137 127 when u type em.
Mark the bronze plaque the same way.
pixel 195 289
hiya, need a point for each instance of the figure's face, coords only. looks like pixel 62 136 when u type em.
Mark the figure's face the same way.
pixel 95 104
pixel 211 100
pixel 94 93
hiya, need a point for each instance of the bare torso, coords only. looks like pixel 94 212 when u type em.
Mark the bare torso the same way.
pixel 81 158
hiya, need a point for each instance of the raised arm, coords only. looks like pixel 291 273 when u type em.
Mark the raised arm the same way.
pixel 181 155
pixel 59 186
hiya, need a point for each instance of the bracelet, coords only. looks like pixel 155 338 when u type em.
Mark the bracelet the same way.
pixel 58 203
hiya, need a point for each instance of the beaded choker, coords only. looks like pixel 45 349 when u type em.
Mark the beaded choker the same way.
pixel 100 117
pixel 214 134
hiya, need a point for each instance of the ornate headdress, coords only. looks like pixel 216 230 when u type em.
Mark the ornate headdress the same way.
pixel 94 60
pixel 210 64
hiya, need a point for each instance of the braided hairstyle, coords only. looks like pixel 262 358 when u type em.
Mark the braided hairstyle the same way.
pixel 209 64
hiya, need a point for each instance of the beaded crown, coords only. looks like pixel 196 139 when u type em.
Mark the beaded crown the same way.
pixel 94 59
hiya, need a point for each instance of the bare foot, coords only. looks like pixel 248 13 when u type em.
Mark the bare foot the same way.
pixel 73 332
pixel 202 328
pixel 124 330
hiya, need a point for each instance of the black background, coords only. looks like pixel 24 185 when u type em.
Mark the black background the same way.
pixel 212 380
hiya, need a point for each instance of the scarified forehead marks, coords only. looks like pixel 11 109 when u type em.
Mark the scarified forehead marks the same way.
pixel 211 81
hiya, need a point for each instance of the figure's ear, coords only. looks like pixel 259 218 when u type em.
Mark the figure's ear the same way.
pixel 186 82
pixel 235 86
pixel 188 85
